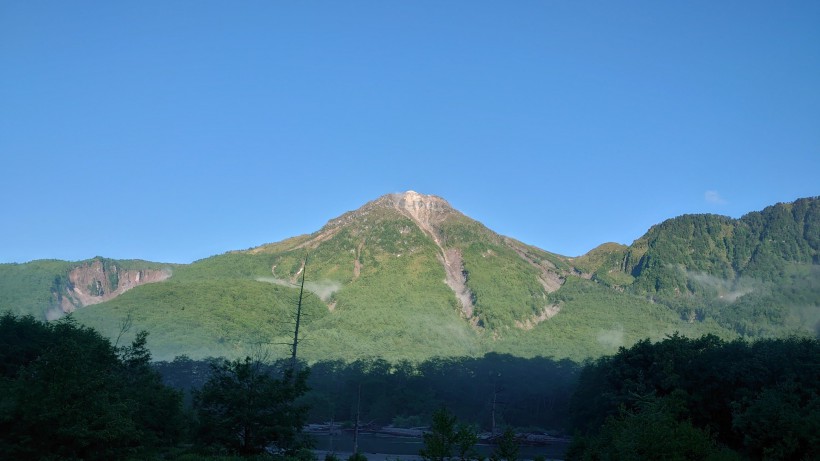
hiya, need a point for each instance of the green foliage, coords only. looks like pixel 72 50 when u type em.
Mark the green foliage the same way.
pixel 441 439
pixel 230 316
pixel 793 411
pixel 381 314
pixel 32 288
pixel 448 436
pixel 226 266
pixel 158 407
pixel 39 288
pixel 466 438
pixel 67 393
pixel 740 273
pixel 606 263
pixel 376 313
pixel 502 274
pixel 594 320
pixel 244 409
pixel 760 400
pixel 768 309
pixel 401 311
pixel 506 287
pixel 507 447
pixel 652 433
pixel 110 268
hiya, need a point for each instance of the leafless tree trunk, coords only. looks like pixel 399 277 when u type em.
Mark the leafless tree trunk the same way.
pixel 298 320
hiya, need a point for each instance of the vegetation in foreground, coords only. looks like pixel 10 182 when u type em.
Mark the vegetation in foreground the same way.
pixel 67 393
pixel 694 399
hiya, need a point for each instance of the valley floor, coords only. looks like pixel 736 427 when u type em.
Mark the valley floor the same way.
pixel 377 447
pixel 320 455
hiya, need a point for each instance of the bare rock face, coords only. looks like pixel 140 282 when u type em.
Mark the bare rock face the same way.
pixel 546 313
pixel 426 210
pixel 456 279
pixel 100 280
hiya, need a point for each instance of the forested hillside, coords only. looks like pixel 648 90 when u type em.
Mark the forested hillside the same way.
pixel 407 277
pixel 758 275
pixel 702 398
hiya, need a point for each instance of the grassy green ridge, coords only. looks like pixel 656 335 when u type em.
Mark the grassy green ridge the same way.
pixel 402 311
pixel 594 321
pixel 505 287
pixel 606 264
pixel 218 317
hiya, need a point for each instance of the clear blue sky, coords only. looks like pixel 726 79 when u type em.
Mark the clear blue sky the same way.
pixel 176 130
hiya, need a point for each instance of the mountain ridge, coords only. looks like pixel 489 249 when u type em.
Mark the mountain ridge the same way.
pixel 408 276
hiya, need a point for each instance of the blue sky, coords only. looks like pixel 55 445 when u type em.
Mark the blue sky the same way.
pixel 173 131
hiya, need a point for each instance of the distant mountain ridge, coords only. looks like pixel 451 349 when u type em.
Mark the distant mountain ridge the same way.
pixel 407 276
pixel 757 261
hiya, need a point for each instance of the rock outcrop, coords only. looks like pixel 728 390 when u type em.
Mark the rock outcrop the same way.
pixel 100 280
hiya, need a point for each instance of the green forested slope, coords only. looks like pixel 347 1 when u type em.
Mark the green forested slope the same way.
pixel 29 288
pixel 44 288
pixel 376 288
pixel 758 275
pixel 218 317
pixel 595 320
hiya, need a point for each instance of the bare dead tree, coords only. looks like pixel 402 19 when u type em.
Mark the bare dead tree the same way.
pixel 295 343
pixel 125 326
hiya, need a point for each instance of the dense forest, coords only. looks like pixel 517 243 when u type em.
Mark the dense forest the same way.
pixel 68 393
pixel 703 398
pixel 757 275
pixel 525 393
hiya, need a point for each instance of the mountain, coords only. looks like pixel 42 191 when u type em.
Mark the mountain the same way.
pixel 49 289
pixel 407 276
pixel 758 275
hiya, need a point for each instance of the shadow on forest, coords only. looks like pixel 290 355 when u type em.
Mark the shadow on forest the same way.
pixel 495 389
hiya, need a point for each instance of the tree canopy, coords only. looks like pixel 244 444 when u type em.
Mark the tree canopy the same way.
pixel 701 398
pixel 244 409
pixel 68 393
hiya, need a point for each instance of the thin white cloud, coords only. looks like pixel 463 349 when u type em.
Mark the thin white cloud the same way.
pixel 712 196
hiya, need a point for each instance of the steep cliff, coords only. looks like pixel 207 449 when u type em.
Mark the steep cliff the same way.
pixel 96 281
